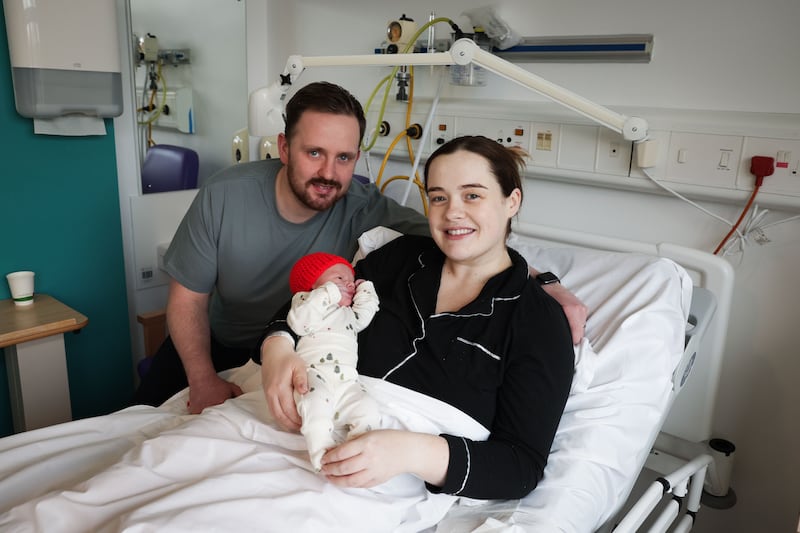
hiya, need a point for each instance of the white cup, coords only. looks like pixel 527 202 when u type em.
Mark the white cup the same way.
pixel 21 285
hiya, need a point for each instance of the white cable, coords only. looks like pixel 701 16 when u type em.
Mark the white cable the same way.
pixel 789 219
pixel 367 156
pixel 693 204
pixel 752 225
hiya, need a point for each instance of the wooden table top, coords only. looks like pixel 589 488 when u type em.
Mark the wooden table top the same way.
pixel 45 317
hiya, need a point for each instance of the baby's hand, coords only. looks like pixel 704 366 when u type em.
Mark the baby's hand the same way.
pixel 358 282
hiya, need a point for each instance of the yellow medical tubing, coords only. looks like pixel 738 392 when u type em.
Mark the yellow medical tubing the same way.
pixel 387 79
pixel 386 83
pixel 153 106
pixel 420 187
pixel 396 140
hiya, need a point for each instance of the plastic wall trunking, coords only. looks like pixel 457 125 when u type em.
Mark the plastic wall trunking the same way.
pixel 702 154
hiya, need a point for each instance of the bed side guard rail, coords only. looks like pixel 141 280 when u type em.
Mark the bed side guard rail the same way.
pixel 686 487
pixel 702 310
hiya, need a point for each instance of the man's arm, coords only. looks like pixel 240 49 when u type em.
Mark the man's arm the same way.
pixel 575 311
pixel 187 320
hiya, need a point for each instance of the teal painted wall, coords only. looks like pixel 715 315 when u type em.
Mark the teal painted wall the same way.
pixel 59 216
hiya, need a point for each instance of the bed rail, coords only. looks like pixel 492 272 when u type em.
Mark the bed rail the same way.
pixel 671 500
pixel 692 414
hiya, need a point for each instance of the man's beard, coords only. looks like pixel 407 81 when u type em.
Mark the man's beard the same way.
pixel 300 190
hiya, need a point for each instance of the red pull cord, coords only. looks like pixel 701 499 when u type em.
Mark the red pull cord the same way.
pixel 760 167
pixel 741 217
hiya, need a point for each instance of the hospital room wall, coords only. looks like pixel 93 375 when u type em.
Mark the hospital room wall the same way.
pixel 59 216
pixel 715 55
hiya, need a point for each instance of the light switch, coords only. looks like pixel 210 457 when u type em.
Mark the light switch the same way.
pixel 703 159
pixel 724 158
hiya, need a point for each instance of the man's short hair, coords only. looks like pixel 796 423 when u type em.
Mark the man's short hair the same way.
pixel 323 97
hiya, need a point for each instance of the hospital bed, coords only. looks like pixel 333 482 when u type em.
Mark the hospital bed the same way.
pixel 231 469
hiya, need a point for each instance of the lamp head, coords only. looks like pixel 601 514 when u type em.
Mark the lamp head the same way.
pixel 265 110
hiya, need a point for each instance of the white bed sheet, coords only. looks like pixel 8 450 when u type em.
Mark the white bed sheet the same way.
pixel 148 469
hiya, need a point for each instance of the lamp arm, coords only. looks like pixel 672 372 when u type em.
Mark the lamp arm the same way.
pixel 296 63
pixel 463 52
pixel 632 128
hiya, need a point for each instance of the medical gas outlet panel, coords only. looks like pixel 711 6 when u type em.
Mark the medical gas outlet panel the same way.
pixel 702 154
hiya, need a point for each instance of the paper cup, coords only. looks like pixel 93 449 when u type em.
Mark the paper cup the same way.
pixel 21 285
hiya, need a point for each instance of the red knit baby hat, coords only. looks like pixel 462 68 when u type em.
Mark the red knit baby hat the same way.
pixel 308 268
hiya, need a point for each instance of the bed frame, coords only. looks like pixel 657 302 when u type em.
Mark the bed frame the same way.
pixel 685 462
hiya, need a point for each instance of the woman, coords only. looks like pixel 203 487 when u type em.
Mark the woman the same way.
pixel 461 321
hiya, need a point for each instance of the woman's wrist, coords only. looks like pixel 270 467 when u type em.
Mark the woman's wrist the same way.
pixel 272 342
pixel 430 466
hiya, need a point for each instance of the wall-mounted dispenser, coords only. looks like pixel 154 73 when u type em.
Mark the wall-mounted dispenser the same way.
pixel 64 57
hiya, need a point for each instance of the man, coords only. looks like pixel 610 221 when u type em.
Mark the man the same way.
pixel 232 253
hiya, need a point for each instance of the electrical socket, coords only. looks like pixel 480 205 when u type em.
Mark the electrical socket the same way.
pixel 660 140
pixel 613 154
pixel 268 147
pixel 240 147
pixel 544 144
pixel 443 129
pixel 785 179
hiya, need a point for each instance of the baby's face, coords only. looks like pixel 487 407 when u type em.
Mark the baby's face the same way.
pixel 343 277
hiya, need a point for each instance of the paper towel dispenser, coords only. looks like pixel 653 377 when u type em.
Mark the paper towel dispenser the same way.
pixel 64 57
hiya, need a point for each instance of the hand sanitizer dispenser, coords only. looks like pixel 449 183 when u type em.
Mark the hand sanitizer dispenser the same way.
pixel 64 57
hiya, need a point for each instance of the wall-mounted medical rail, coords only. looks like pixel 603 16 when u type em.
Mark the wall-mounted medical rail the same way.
pixel 628 48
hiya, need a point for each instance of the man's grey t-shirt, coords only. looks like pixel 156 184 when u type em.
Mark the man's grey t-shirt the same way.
pixel 234 244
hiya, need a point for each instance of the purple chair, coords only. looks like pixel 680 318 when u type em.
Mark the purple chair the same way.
pixel 169 168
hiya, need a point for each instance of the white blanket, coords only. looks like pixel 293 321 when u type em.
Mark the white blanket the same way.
pixel 227 469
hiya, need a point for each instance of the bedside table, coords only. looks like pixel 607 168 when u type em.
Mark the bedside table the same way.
pixel 36 361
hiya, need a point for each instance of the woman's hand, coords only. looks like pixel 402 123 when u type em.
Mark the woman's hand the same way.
pixel 377 456
pixel 282 373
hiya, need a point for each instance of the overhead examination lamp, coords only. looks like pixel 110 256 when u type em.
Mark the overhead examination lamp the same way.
pixel 266 103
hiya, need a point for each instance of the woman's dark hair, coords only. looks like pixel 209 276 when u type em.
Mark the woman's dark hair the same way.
pixel 323 97
pixel 505 163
